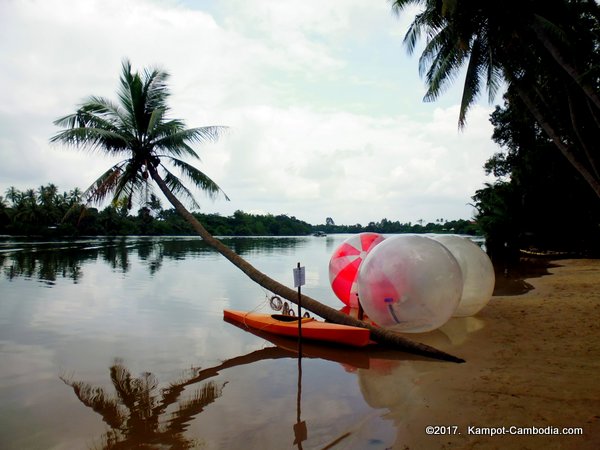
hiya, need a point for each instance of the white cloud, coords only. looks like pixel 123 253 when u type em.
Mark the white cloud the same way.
pixel 323 104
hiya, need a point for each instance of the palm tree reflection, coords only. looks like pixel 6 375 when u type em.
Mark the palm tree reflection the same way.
pixel 137 413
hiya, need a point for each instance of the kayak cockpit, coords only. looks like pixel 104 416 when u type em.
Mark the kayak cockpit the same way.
pixel 286 318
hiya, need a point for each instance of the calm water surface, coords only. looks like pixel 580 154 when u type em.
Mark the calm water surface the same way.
pixel 121 344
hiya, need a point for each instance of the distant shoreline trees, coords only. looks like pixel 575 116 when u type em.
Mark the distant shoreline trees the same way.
pixel 46 212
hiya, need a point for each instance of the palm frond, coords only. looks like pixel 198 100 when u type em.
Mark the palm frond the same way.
pixel 124 91
pixel 174 140
pixel 155 90
pixel 128 184
pixel 190 408
pixel 178 188
pixel 97 399
pixel 131 96
pixel 198 178
pixel 124 385
pixel 551 29
pixel 399 5
pixel 413 34
pixel 92 138
pixel 110 111
pixel 428 22
pixel 155 121
pixel 444 60
pixel 472 82
pixel 104 185
pixel 494 77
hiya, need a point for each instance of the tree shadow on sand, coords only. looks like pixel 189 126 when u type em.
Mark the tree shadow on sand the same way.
pixel 511 278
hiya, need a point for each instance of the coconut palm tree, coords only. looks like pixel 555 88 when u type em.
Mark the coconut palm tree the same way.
pixel 138 128
pixel 14 195
pixel 522 44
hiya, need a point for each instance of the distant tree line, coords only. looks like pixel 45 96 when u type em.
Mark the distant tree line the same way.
pixel 387 226
pixel 48 213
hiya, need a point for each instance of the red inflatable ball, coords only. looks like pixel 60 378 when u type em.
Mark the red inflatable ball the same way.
pixel 345 262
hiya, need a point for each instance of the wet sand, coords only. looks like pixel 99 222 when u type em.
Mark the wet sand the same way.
pixel 533 360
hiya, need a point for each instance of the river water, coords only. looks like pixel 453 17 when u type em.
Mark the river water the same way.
pixel 121 343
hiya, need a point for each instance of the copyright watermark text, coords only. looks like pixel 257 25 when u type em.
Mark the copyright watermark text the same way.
pixel 504 430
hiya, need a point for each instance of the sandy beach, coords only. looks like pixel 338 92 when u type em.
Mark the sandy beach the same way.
pixel 533 360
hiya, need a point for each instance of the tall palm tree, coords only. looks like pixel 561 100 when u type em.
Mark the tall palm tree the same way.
pixel 48 201
pixel 14 195
pixel 521 43
pixel 138 128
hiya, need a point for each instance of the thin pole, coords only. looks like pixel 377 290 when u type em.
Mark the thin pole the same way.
pixel 300 431
pixel 299 313
pixel 300 426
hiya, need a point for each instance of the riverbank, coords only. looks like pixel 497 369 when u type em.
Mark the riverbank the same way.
pixel 533 360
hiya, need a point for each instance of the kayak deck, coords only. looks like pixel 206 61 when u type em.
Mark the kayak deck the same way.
pixel 312 329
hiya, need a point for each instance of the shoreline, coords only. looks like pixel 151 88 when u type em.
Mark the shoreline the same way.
pixel 532 360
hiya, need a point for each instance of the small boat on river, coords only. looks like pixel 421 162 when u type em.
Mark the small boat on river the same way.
pixel 312 329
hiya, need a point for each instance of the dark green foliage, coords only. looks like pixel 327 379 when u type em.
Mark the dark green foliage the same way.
pixel 545 51
pixel 540 203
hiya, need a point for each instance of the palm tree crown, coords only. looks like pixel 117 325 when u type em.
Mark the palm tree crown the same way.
pixel 138 128
pixel 544 50
pixel 498 41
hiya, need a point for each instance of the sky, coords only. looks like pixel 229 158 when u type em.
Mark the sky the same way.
pixel 323 104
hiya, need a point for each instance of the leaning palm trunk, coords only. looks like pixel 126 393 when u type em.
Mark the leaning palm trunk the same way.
pixel 569 68
pixel 379 334
pixel 553 134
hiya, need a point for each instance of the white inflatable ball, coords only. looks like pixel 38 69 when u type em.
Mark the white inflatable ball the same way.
pixel 410 284
pixel 477 271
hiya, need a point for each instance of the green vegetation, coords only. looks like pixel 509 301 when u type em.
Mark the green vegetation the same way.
pixel 538 203
pixel 545 51
pixel 46 212
pixel 547 196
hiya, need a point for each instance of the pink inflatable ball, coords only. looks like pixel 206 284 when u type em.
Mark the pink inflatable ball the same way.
pixel 410 284
pixel 345 262
pixel 477 271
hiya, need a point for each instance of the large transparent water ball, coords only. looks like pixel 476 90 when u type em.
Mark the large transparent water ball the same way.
pixel 345 262
pixel 477 271
pixel 410 284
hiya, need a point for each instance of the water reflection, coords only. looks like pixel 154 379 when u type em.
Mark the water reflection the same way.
pixel 45 266
pixel 136 412
pixel 169 321
pixel 510 279
pixel 50 261
pixel 141 415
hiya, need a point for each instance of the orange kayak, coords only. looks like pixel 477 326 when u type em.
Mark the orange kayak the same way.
pixel 312 329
